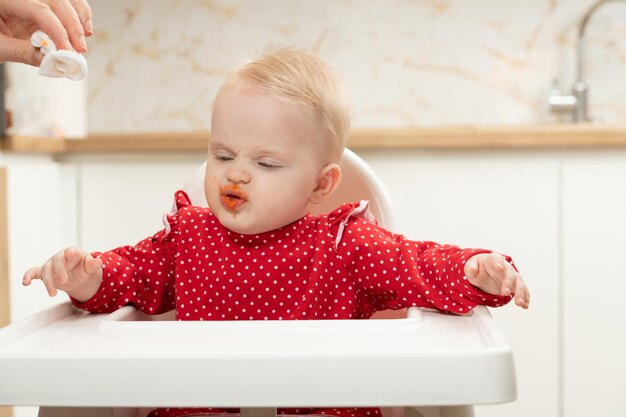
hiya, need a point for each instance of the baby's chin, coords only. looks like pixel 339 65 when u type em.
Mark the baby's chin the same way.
pixel 238 226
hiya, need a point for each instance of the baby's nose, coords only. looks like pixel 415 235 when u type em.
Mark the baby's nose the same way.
pixel 238 175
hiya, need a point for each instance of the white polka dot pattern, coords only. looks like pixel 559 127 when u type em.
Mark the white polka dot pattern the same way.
pixel 207 272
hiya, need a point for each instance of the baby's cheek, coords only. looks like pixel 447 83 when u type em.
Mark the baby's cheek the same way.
pixel 210 184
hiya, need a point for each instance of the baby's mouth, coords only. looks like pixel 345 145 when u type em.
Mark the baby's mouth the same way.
pixel 233 197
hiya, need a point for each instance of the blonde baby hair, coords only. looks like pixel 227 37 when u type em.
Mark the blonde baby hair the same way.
pixel 303 78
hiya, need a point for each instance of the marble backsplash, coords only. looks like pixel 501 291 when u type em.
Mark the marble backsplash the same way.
pixel 155 65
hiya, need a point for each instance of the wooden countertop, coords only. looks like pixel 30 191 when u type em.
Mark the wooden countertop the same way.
pixel 470 137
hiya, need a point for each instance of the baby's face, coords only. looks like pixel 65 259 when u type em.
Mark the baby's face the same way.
pixel 264 160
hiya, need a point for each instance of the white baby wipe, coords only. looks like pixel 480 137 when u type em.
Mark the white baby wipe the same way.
pixel 58 63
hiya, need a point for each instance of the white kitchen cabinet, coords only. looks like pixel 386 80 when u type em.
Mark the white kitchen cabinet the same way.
pixel 41 214
pixel 506 201
pixel 594 284
pixel 41 221
pixel 122 199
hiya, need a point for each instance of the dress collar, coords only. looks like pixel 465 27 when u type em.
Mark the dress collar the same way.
pixel 282 233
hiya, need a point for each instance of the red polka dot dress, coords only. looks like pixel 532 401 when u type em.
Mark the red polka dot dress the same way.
pixel 335 266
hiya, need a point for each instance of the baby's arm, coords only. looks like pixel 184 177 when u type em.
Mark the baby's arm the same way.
pixel 393 272
pixel 142 275
pixel 71 270
pixel 491 273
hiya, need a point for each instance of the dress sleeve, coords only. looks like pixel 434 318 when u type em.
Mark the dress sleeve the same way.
pixel 141 275
pixel 392 272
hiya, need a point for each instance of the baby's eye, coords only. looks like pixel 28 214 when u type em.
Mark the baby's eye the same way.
pixel 223 157
pixel 269 165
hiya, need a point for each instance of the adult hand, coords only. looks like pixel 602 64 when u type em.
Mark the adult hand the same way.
pixel 67 22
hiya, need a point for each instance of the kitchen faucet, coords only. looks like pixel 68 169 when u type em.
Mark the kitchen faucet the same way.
pixel 576 102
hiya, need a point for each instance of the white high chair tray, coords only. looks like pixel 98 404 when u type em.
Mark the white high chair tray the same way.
pixel 64 356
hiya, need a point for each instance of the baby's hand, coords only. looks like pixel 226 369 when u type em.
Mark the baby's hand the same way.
pixel 491 273
pixel 71 270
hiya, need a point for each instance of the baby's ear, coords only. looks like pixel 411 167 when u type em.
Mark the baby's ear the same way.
pixel 327 181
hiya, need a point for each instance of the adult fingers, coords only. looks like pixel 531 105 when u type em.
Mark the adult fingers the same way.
pixel 84 14
pixel 4 28
pixel 18 50
pixel 44 18
pixel 68 16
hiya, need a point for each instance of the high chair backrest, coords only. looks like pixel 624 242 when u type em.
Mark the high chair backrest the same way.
pixel 359 182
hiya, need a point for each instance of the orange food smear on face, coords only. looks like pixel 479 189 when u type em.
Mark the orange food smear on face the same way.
pixel 232 201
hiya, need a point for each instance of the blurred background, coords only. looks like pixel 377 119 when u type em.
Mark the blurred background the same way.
pixel 429 62
pixel 155 65
pixel 421 67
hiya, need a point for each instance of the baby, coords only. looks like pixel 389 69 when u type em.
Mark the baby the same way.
pixel 278 130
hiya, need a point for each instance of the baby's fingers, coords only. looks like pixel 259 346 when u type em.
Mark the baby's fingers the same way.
pixel 522 295
pixel 59 270
pixel 507 278
pixel 513 284
pixel 92 264
pixel 30 275
pixel 471 267
pixel 47 276
pixel 501 272
pixel 42 273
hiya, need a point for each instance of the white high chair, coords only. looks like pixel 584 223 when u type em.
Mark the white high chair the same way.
pixel 425 364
